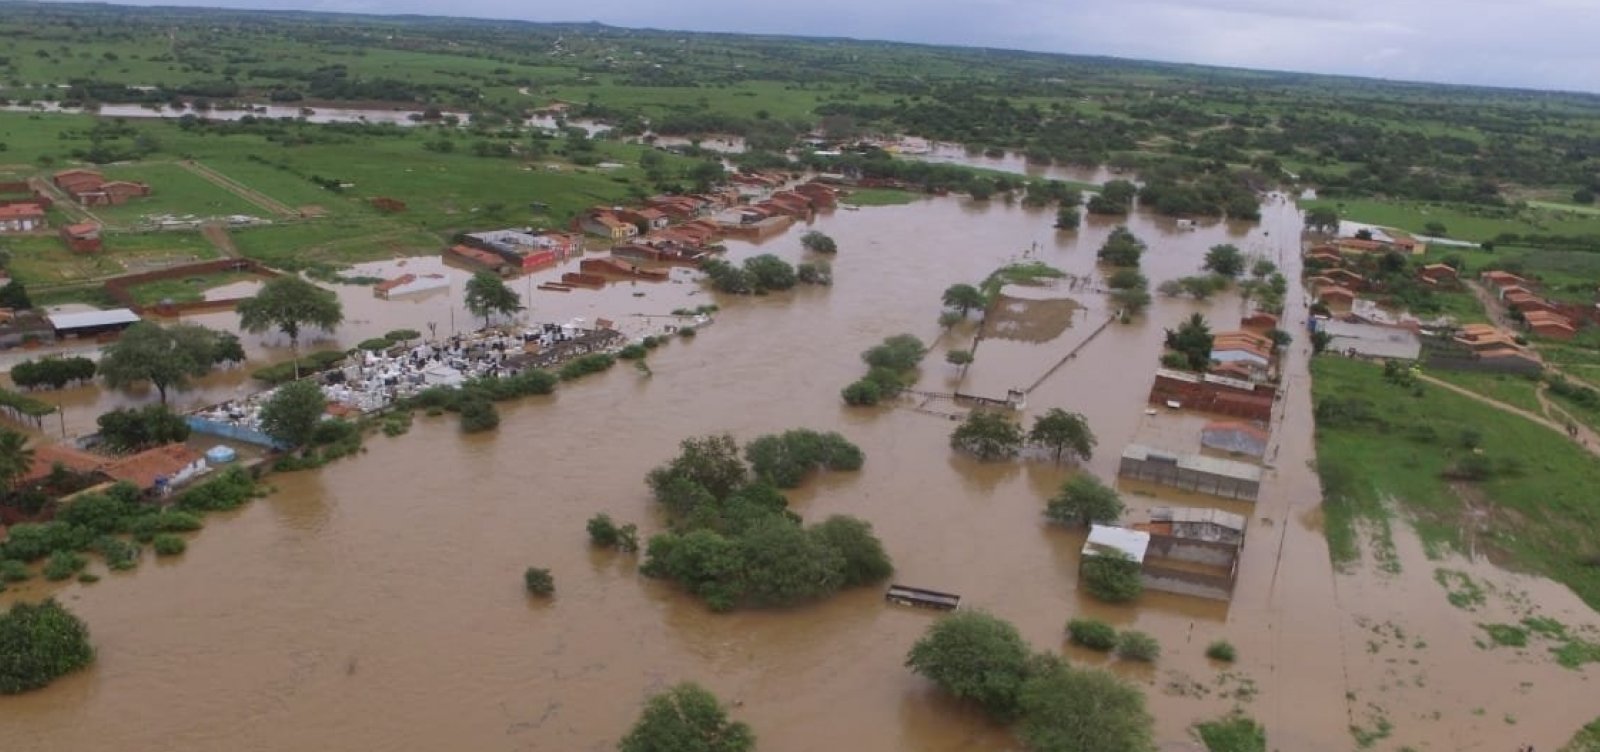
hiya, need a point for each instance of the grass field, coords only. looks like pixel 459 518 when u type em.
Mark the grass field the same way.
pixel 1517 391
pixel 1391 456
pixel 185 290
pixel 334 242
pixel 1462 221
pixel 44 260
pixel 173 190
pixel 880 197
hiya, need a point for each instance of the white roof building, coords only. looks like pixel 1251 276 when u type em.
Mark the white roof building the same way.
pixel 1105 538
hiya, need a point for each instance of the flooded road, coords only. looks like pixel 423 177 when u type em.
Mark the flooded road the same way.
pixel 378 603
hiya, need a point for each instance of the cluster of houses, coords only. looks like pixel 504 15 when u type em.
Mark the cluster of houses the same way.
pixel 154 471
pixel 1542 317
pixel 90 188
pixel 25 209
pixel 515 251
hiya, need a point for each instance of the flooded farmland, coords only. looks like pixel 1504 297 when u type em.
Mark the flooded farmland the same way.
pixel 378 604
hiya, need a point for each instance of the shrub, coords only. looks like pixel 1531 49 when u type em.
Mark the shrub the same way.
pixel 1235 733
pixel 1221 650
pixel 974 656
pixel 1092 634
pixel 686 332
pixel 633 352
pixel 64 564
pixel 479 415
pixel 119 554
pixel 1111 577
pixel 586 364
pixel 14 571
pixel 169 544
pixel 862 393
pixel 1137 646
pixel 602 531
pixel 538 581
pixel 40 642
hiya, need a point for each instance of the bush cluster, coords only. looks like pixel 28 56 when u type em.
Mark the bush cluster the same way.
pixel 310 363
pixel 785 459
pixel 584 365
pixel 52 372
pixel 735 543
pixel 890 366
pixel 41 643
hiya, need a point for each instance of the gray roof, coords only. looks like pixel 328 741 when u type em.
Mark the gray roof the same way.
pixel 1371 340
pixel 1132 543
pixel 89 319
pixel 1194 514
pixel 1196 462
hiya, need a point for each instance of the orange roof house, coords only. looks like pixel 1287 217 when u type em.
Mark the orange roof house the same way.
pixel 170 465
pixel 1500 279
pixel 72 459
pixel 83 237
pixel 1435 274
pixel 1552 325
pixel 1336 295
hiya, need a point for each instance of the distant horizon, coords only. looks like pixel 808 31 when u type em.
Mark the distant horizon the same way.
pixel 1377 40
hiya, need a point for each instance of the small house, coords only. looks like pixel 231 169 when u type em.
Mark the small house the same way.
pixel 1336 296
pixel 477 257
pixel 22 218
pixel 606 225
pixel 1259 322
pixel 1500 280
pixel 157 471
pixel 1438 275
pixel 83 237
pixel 1552 325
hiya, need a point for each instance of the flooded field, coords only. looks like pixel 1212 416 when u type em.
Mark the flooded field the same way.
pixel 378 604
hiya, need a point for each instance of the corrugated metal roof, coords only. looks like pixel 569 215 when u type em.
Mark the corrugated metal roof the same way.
pixel 1104 537
pixel 87 319
pixel 1195 514
pixel 1195 462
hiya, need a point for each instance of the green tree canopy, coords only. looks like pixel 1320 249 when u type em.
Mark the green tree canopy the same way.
pixel 1084 499
pixel 1193 341
pixel 487 295
pixel 963 297
pixel 288 303
pixel 1068 218
pixel 135 429
pixel 16 457
pixel 818 242
pixel 1063 434
pixel 292 413
pixel 40 643
pixel 165 356
pixel 687 718
pixel 1226 260
pixel 976 657
pixel 1322 219
pixel 899 353
pixel 1122 248
pixel 1067 709
pixel 988 435
pixel 1111 576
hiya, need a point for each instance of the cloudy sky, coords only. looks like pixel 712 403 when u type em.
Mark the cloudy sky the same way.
pixel 1546 44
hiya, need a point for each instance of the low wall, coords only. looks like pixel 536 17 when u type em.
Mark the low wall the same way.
pixel 1223 555
pixel 1215 587
pixel 230 431
pixel 121 288
pixel 1168 474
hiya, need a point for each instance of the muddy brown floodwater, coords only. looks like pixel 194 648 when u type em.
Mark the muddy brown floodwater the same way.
pixel 378 603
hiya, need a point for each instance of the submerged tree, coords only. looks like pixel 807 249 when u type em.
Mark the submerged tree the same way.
pixel 687 718
pixel 487 295
pixel 963 298
pixel 988 435
pixel 1082 500
pixel 974 656
pixel 292 413
pixel 165 356
pixel 288 303
pixel 1063 434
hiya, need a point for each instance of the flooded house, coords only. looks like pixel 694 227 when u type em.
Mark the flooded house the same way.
pixel 1191 472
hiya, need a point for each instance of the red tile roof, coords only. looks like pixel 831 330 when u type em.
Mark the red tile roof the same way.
pixel 45 457
pixel 144 468
pixel 22 211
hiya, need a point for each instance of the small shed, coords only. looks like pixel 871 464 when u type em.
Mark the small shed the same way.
pixel 92 323
pixel 1104 539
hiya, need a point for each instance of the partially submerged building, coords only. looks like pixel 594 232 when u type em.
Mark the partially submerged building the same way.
pixel 1180 550
pixel 92 323
pixel 1235 437
pixel 1191 472
pixel 1370 341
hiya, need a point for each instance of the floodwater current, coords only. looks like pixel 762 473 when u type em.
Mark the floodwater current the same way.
pixel 378 604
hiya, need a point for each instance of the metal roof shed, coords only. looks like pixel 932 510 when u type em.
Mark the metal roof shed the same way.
pixel 85 323
pixel 1104 538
